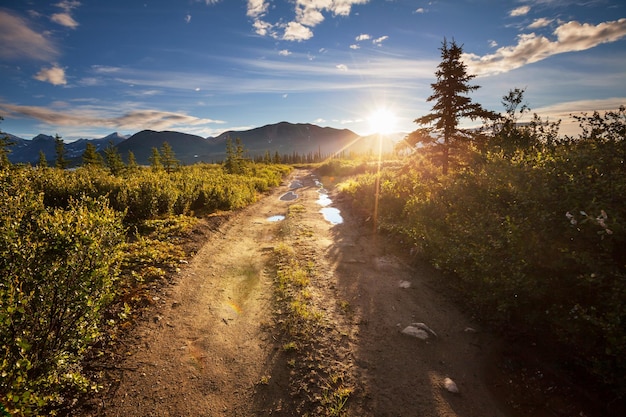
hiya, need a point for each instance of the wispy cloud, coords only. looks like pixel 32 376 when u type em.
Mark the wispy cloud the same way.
pixel 540 23
pixel 571 36
pixel 65 18
pixel 54 75
pixel 379 41
pixel 19 40
pixel 342 67
pixel 362 37
pixel 284 52
pixel 94 116
pixel 519 11
pixel 187 18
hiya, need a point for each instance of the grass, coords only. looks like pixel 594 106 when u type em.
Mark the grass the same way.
pixel 309 338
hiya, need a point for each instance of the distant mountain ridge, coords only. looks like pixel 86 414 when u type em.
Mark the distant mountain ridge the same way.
pixel 283 137
pixel 27 151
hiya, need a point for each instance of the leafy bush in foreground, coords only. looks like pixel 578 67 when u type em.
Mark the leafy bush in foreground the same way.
pixel 537 236
pixel 57 269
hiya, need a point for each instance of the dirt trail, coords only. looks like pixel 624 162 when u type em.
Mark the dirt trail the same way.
pixel 210 348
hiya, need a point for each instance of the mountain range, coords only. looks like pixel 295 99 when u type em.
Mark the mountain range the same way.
pixel 283 138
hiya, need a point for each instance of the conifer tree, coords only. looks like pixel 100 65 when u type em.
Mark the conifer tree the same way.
pixel 43 162
pixel 113 159
pixel 168 159
pixel 451 101
pixel 132 161
pixel 91 155
pixel 59 148
pixel 155 160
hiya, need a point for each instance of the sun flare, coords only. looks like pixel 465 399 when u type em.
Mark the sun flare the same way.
pixel 382 121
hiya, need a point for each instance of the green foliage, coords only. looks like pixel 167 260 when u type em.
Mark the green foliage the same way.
pixel 91 155
pixel 59 147
pixel 168 158
pixel 113 159
pixel 57 268
pixel 535 234
pixel 61 246
pixel 451 101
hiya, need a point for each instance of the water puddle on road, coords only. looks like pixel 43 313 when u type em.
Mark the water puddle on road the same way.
pixel 289 196
pixel 276 218
pixel 332 215
pixel 324 200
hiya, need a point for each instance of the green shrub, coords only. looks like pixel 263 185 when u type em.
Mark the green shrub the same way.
pixel 57 269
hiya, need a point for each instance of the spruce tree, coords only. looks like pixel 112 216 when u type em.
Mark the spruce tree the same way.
pixel 155 160
pixel 451 101
pixel 91 155
pixel 59 148
pixel 43 162
pixel 168 159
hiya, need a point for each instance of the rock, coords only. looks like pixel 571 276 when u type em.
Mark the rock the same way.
pixel 415 332
pixel 450 385
pixel 424 327
pixel 404 284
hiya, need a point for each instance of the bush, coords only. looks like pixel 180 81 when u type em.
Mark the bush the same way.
pixel 57 269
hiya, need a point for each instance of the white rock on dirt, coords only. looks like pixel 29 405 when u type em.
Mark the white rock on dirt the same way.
pixel 419 330
pixel 450 385
pixel 415 332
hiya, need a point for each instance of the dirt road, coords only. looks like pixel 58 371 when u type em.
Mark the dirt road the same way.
pixel 211 346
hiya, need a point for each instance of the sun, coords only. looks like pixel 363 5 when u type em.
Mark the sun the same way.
pixel 382 121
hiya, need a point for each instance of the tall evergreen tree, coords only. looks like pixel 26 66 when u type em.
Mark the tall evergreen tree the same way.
pixel 168 158
pixel 132 161
pixel 59 148
pixel 451 101
pixel 91 155
pixel 155 160
pixel 43 162
pixel 113 159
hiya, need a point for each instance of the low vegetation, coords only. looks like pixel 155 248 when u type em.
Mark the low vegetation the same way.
pixel 318 384
pixel 530 228
pixel 79 251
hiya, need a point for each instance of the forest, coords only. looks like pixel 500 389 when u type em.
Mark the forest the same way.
pixel 528 226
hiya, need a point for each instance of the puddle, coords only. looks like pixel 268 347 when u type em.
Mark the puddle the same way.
pixel 289 196
pixel 332 215
pixel 324 200
pixel 295 184
pixel 276 218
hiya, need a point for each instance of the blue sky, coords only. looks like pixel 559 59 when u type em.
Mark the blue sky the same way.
pixel 84 69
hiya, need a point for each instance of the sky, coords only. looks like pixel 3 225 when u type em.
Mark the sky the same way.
pixel 85 69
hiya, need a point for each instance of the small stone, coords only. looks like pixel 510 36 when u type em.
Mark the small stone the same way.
pixel 404 284
pixel 415 332
pixel 450 385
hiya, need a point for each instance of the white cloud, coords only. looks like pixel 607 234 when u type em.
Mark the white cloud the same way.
pixel 362 37
pixel 257 8
pixel 519 11
pixel 53 75
pixel 379 41
pixel 106 117
pixel 420 10
pixel 262 28
pixel 284 52
pixel 493 44
pixel 307 15
pixel 18 40
pixel 64 19
pixel 342 67
pixel 354 46
pixel 570 37
pixel 540 23
pixel 188 18
pixel 297 32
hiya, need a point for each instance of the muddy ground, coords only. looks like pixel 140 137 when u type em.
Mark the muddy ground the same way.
pixel 210 344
